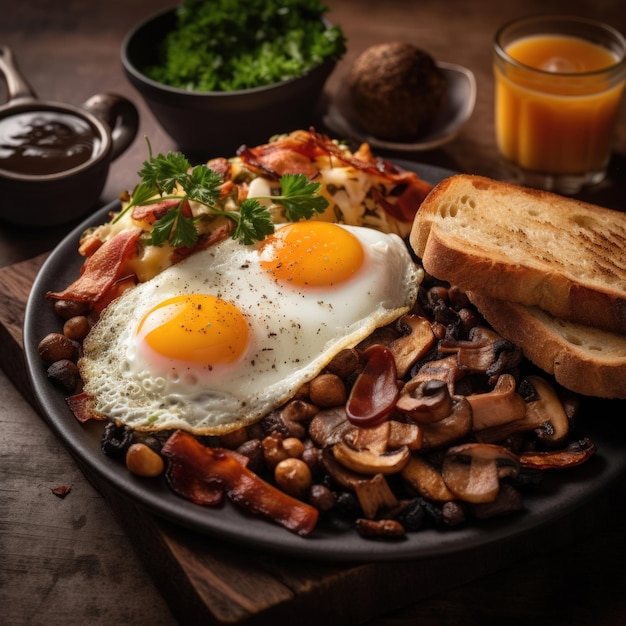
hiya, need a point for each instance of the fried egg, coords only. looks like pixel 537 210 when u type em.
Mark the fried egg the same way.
pixel 221 339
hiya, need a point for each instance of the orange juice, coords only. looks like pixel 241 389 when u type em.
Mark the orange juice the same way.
pixel 556 105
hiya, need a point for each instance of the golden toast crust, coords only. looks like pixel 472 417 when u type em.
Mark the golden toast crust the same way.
pixel 526 246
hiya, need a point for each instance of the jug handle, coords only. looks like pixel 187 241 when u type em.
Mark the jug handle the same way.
pixel 120 114
pixel 17 86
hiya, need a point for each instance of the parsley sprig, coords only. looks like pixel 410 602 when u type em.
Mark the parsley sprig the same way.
pixel 164 176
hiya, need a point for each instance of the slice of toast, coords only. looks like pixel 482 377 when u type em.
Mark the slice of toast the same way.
pixel 527 246
pixel 583 359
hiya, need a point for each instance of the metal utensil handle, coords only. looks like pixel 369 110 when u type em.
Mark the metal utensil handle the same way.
pixel 17 86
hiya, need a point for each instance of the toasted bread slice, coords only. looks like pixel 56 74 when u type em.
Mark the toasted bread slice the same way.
pixel 583 359
pixel 526 246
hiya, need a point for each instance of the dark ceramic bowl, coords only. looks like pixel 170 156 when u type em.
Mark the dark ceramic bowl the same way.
pixel 210 124
pixel 45 189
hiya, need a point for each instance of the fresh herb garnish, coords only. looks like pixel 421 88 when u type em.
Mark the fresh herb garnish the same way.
pixel 300 197
pixel 171 177
pixel 175 228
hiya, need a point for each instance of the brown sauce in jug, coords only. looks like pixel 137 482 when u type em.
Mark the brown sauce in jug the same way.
pixel 45 142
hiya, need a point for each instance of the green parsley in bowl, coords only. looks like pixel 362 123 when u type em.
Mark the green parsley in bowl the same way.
pixel 220 73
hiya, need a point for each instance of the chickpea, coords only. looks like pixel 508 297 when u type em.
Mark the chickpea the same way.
pixel 55 347
pixel 273 450
pixel 76 327
pixel 328 390
pixel 293 476
pixel 143 461
pixel 298 411
pixel 293 446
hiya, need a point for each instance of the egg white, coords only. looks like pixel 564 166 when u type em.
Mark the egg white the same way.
pixel 294 333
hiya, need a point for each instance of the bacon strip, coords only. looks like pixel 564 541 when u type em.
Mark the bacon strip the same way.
pixel 244 487
pixel 152 212
pixel 192 487
pixel 80 405
pixel 101 270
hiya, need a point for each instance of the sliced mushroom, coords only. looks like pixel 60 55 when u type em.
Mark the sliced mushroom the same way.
pixel 500 406
pixel 574 454
pixel 373 493
pixel 451 429
pixel 425 401
pixel 329 426
pixel 375 438
pixel 404 434
pixel 446 369
pixel 411 347
pixel 501 432
pixel 484 352
pixel 369 462
pixel 342 476
pixel 426 480
pixel 473 471
pixel 289 420
pixel 547 409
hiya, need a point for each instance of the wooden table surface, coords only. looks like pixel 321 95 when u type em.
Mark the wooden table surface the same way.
pixel 67 561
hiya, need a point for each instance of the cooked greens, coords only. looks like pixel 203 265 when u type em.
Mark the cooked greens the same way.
pixel 226 45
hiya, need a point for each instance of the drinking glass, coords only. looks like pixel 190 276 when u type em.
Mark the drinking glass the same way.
pixel 559 81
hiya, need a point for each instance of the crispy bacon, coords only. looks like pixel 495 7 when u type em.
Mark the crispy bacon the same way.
pixel 199 489
pixel 100 271
pixel 115 291
pixel 297 152
pixel 221 165
pixel 152 212
pixel 215 466
pixel 80 405
pixel 192 487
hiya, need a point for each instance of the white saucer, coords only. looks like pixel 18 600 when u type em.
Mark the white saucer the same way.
pixel 460 105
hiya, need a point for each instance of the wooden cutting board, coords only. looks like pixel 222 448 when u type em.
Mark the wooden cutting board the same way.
pixel 207 581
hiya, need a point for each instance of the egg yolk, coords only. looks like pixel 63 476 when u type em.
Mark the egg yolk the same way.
pixel 196 328
pixel 312 254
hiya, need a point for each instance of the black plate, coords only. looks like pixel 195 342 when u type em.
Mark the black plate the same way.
pixel 558 495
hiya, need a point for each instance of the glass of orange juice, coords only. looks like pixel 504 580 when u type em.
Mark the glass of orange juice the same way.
pixel 558 85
